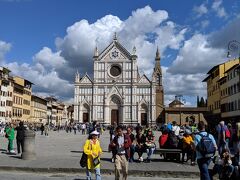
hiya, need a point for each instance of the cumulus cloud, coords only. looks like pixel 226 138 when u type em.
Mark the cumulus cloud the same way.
pixel 217 7
pixel 78 45
pixel 47 83
pixel 53 69
pixel 196 56
pixel 183 84
pixel 4 48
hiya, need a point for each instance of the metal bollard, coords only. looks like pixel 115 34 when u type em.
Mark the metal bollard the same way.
pixel 29 146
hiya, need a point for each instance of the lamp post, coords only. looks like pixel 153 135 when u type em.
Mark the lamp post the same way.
pixel 181 99
pixel 233 46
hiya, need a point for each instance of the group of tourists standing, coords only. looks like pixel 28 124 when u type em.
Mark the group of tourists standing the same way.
pixel 199 145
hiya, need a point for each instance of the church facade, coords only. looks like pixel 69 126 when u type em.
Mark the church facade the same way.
pixel 117 93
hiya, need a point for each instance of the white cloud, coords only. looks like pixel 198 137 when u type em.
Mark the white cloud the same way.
pixel 217 7
pixel 78 45
pixel 44 82
pixel 4 48
pixel 200 10
pixel 53 72
pixel 196 56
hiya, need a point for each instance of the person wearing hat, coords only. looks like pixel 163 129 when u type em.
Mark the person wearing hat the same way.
pixel 188 146
pixel 93 151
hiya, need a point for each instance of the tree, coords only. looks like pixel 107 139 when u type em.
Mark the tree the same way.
pixel 202 102
pixel 197 101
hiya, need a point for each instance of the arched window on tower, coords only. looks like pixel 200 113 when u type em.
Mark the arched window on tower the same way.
pixel 159 79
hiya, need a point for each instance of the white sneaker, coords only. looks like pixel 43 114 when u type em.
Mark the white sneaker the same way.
pixel 12 151
pixel 141 159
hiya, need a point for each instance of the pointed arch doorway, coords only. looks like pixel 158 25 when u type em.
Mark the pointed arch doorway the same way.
pixel 115 110
pixel 144 114
pixel 85 113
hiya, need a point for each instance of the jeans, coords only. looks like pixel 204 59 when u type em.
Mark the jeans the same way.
pixel 97 172
pixel 223 146
pixel 139 150
pixel 150 152
pixel 203 164
pixel 132 151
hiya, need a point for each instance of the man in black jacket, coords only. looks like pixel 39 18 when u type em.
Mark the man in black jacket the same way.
pixel 20 137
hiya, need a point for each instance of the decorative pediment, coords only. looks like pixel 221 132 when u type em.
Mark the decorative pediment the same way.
pixel 144 80
pixel 114 91
pixel 143 103
pixel 86 80
pixel 115 51
pixel 85 102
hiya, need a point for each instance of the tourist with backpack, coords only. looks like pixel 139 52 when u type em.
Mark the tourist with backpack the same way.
pixel 206 148
pixel 223 137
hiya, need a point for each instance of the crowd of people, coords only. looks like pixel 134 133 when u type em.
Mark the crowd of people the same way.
pixel 197 144
pixel 220 145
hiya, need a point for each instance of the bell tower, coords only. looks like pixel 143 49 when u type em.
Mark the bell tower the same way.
pixel 157 81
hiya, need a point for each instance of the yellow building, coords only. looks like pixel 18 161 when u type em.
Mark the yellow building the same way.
pixel 38 109
pixel 213 87
pixel 22 91
pixel 230 95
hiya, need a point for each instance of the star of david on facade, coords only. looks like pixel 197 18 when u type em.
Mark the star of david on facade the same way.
pixel 115 54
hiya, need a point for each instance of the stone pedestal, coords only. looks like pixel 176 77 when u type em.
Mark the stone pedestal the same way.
pixel 29 146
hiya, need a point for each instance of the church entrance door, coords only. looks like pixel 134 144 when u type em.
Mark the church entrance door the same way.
pixel 85 117
pixel 143 119
pixel 114 116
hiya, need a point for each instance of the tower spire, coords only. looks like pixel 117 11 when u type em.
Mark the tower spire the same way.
pixel 77 76
pixel 96 52
pixel 157 58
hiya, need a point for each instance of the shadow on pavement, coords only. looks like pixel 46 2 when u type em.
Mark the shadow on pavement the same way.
pixel 15 156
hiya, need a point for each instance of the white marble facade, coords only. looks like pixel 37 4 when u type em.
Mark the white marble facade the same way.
pixel 117 92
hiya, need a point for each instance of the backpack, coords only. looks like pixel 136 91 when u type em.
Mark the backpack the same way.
pixel 227 133
pixel 172 141
pixel 206 146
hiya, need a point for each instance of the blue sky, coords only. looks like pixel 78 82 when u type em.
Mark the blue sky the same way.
pixel 35 40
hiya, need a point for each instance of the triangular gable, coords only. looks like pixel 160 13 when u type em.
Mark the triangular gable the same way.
pixel 84 101
pixel 144 80
pixel 143 101
pixel 106 53
pixel 115 91
pixel 86 80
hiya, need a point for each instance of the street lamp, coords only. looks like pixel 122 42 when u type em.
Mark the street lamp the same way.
pixel 233 46
pixel 181 100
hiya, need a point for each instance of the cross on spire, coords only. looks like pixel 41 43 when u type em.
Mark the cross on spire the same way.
pixel 115 36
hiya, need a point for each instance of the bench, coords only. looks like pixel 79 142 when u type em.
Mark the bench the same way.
pixel 169 154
